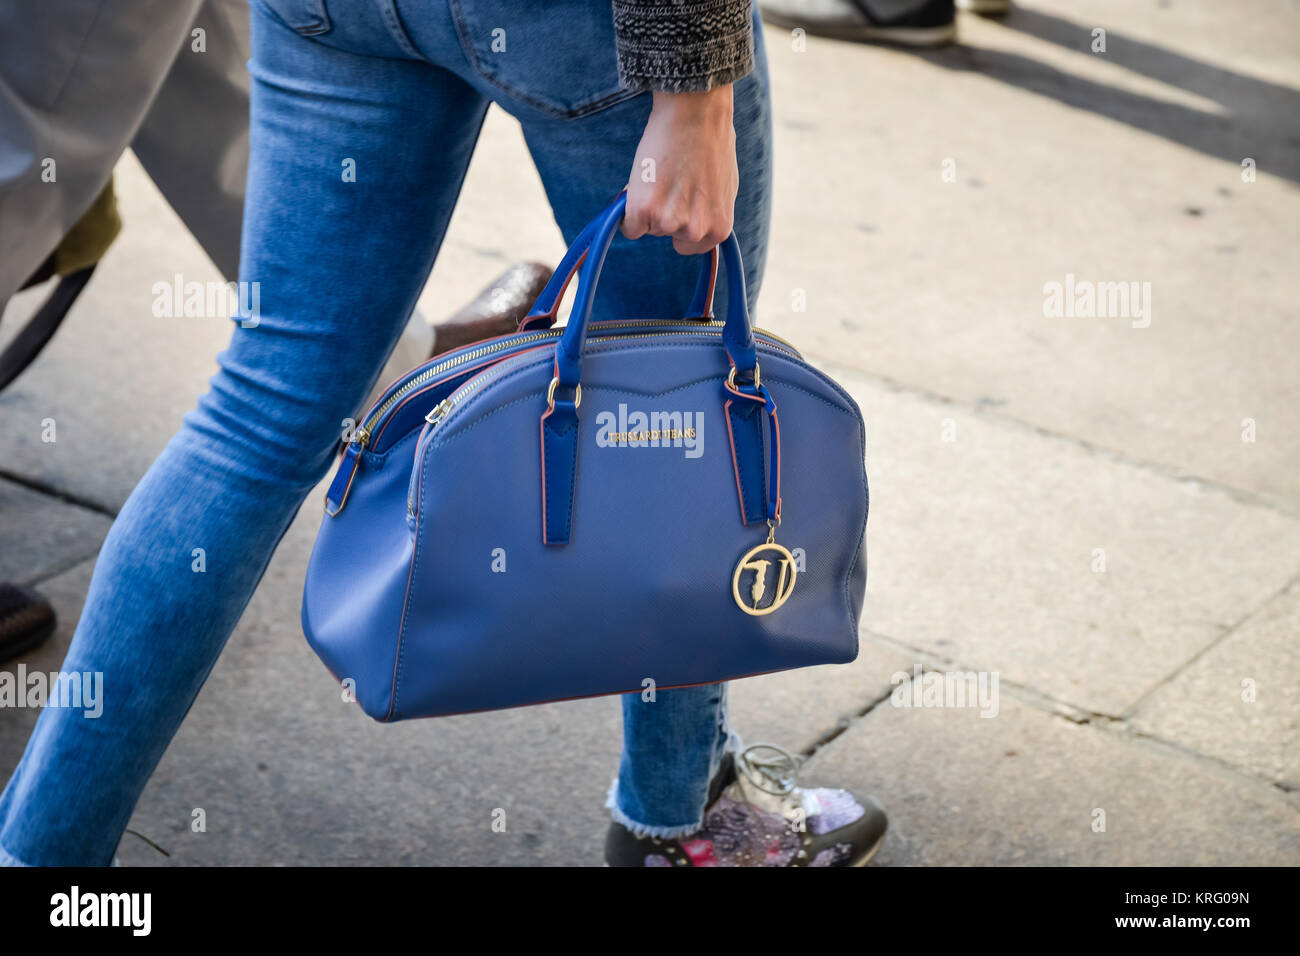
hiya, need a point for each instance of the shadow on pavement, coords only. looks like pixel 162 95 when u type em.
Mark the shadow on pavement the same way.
pixel 1262 119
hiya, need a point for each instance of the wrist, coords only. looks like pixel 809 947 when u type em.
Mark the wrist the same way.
pixel 714 104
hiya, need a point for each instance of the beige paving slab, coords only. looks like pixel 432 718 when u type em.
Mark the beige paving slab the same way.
pixel 1028 788
pixel 982 550
pixel 797 709
pixel 1240 701
pixel 1116 167
pixel 41 534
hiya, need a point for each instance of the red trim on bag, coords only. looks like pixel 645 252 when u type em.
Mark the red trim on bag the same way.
pixel 776 424
pixel 735 462
pixel 611 693
pixel 356 462
pixel 401 627
pixel 552 700
pixel 525 324
pixel 541 435
pixel 434 361
pixel 713 279
pixel 451 373
pixel 752 398
pixel 713 284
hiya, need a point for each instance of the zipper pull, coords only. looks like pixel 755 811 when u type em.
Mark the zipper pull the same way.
pixel 361 436
pixel 438 412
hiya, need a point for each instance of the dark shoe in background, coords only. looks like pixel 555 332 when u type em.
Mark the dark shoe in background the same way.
pixel 496 310
pixel 26 621
pixel 902 22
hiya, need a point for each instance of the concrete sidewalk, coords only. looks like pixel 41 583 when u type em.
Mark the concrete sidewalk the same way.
pixel 1101 512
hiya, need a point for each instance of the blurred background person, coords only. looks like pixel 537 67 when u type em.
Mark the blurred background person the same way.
pixel 903 22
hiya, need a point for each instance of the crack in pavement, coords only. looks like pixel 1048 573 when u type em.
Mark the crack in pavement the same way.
pixel 1231 629
pixel 137 833
pixel 67 497
pixel 1117 725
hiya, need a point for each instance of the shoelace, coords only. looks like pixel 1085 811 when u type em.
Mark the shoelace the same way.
pixel 768 767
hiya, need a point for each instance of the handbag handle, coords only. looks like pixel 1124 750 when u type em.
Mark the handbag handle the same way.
pixel 543 313
pixel 737 334
pixel 748 404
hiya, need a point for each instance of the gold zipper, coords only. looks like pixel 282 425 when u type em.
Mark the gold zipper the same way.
pixel 429 373
pixel 443 408
pixel 362 435
pixel 437 412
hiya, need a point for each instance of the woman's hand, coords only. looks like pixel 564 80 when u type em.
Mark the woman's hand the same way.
pixel 684 179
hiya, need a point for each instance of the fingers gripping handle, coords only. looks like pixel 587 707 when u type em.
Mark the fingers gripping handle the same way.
pixel 737 335
pixel 544 311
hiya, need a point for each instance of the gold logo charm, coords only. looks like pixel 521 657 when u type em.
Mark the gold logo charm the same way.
pixel 785 573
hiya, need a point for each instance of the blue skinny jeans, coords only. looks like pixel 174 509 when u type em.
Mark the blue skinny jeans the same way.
pixel 364 117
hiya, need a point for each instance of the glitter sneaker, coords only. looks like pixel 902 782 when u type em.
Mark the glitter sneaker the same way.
pixel 757 816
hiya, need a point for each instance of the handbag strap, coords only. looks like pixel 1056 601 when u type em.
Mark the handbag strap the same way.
pixel 40 328
pixel 545 310
pixel 747 405
pixel 737 335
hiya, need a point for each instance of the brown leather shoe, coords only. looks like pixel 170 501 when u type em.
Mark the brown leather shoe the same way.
pixel 494 311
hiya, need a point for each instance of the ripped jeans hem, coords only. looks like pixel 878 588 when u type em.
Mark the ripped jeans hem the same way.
pixel 8 859
pixel 734 743
pixel 640 830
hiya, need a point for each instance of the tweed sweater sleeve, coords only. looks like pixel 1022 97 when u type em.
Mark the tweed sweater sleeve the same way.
pixel 683 46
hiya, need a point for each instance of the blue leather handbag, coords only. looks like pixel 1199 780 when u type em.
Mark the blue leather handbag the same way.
pixel 598 508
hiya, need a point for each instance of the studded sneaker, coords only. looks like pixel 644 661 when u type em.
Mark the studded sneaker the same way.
pixel 757 816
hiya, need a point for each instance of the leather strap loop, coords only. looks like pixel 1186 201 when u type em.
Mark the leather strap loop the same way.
pixel 746 409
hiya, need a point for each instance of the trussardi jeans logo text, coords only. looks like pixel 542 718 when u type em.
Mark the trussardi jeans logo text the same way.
pixel 626 429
